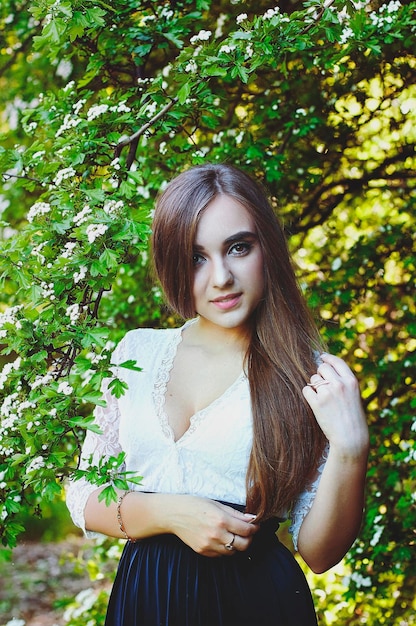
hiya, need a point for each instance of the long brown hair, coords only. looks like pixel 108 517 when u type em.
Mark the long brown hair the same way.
pixel 287 441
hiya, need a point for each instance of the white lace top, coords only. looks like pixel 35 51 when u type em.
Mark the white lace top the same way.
pixel 209 460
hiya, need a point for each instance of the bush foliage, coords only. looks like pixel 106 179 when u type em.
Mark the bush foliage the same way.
pixel 102 104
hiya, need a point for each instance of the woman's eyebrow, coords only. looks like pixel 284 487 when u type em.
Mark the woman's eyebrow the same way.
pixel 243 234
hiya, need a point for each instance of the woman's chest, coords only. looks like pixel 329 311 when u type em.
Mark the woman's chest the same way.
pixel 195 383
pixel 148 413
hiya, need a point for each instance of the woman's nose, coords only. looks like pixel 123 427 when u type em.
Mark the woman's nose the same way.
pixel 221 273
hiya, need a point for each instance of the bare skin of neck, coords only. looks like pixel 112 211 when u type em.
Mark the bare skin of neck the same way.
pixel 208 361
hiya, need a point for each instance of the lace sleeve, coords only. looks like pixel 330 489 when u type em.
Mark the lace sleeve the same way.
pixel 96 446
pixel 304 503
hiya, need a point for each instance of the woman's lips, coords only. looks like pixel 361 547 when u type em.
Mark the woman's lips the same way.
pixel 227 302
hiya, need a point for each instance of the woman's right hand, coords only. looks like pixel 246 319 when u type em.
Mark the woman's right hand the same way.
pixel 204 525
pixel 207 526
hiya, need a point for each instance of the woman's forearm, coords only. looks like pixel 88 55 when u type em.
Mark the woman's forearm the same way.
pixel 332 524
pixel 142 514
pixel 203 524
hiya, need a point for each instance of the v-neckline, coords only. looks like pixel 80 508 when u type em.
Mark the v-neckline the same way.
pixel 160 389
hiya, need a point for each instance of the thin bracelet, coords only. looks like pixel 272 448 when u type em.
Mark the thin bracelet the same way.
pixel 119 518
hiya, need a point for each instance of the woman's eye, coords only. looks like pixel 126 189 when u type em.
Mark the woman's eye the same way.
pixel 240 248
pixel 197 259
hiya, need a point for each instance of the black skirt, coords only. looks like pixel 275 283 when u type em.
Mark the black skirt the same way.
pixel 162 582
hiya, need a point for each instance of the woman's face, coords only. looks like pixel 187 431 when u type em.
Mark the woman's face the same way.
pixel 228 264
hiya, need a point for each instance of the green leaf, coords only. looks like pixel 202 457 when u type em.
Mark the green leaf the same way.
pixel 97 268
pixel 136 480
pixel 109 258
pixel 53 31
pixel 118 387
pixel 130 364
pixel 65 8
pixel 85 422
pixel 95 194
pixel 95 17
pixel 108 494
pixel 184 92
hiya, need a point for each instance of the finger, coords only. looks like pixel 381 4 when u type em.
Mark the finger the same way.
pixel 316 379
pixel 239 544
pixel 336 363
pixel 245 517
pixel 310 395
pixel 327 369
pixel 242 524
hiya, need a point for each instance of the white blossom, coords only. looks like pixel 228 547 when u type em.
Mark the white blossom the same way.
pixel 65 388
pixel 8 369
pixel 69 86
pixel 151 109
pixel 166 13
pixel 227 49
pixel 96 110
pixel 9 404
pixel 79 276
pixel 84 601
pixel 248 52
pixel 69 122
pixel 63 174
pixel 47 290
pixel 378 530
pixel 121 107
pixel 241 18
pixel 10 315
pixel 39 208
pixel 392 7
pixel 35 464
pixel 64 68
pixel 360 580
pixel 68 249
pixel 270 13
pixel 39 154
pixel 73 311
pixel 220 24
pixel 95 230
pixel 81 217
pixel 385 14
pixel 41 381
pixel 112 207
pixel 78 106
pixel 203 35
pixel 346 34
pixel 191 67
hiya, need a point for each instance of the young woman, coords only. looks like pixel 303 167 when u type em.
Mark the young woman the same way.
pixel 237 420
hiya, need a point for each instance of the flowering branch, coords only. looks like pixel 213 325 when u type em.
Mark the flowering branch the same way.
pixel 318 16
pixel 133 139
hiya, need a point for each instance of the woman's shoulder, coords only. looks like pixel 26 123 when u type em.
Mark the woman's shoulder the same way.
pixel 143 341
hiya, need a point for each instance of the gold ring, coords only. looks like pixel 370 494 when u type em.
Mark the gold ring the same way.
pixel 229 545
pixel 319 384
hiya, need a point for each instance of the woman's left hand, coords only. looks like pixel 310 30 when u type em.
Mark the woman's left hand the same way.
pixel 334 396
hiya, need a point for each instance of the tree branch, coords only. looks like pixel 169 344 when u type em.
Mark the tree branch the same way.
pixel 349 185
pixel 318 17
pixel 133 139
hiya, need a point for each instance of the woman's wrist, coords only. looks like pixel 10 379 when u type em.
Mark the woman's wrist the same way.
pixel 350 453
pixel 145 514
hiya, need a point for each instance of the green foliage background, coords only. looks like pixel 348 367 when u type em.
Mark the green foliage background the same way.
pixel 102 103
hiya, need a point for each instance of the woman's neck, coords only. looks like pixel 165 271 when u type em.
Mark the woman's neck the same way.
pixel 216 339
